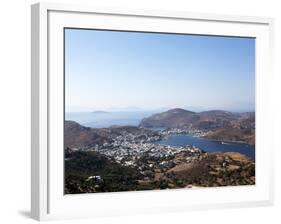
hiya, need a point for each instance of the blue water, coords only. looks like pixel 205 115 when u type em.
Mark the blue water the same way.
pixel 104 120
pixel 209 145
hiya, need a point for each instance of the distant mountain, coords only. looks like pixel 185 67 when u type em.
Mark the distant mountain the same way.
pixel 241 129
pixel 217 114
pixel 129 108
pixel 184 118
pixel 171 118
pixel 221 125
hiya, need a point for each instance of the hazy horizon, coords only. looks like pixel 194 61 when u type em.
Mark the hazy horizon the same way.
pixel 112 110
pixel 110 70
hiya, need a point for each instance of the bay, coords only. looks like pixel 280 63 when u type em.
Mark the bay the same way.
pixel 209 145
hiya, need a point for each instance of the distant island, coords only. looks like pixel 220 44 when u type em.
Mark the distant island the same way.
pixel 100 112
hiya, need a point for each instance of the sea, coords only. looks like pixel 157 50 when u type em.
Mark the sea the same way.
pixel 107 119
pixel 209 145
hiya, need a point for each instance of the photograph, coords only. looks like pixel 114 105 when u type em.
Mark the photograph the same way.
pixel 157 111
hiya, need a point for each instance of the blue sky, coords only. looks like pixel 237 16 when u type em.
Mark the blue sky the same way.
pixel 109 69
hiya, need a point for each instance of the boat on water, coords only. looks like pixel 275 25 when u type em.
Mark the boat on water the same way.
pixel 225 143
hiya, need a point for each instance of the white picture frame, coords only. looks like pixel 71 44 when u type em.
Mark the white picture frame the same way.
pixel 47 198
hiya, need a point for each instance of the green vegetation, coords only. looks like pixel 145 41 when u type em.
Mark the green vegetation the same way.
pixel 79 166
pixel 87 172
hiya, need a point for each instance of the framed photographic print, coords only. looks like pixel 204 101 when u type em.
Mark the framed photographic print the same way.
pixel 148 111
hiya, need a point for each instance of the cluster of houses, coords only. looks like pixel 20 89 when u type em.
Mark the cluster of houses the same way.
pixel 182 131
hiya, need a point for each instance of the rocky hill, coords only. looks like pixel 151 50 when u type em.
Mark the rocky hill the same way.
pixel 171 118
pixel 78 136
pixel 218 124
pixel 183 118
pixel 88 172
pixel 216 169
pixel 235 134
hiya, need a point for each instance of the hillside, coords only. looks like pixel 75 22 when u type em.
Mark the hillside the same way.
pixel 184 118
pixel 78 136
pixel 240 130
pixel 217 169
pixel 88 172
pixel 79 166
pixel 171 118
pixel 233 135
pixel 217 124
